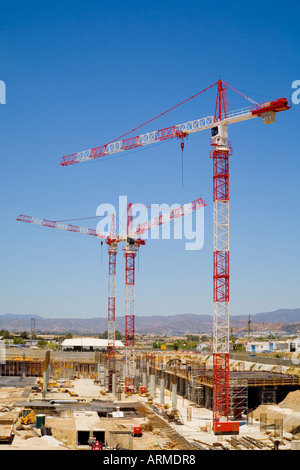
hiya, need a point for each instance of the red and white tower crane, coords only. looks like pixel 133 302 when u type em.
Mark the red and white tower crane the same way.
pixel 220 155
pixel 218 123
pixel 111 328
pixel 131 250
pixel 133 242
pixel 110 239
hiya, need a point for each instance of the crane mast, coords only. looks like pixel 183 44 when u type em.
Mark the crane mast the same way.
pixel 130 254
pixel 220 157
pixel 111 317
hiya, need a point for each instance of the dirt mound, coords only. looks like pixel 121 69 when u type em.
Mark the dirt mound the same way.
pixel 292 400
pixel 288 411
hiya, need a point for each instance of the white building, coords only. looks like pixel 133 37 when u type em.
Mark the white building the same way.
pixel 267 346
pixel 294 345
pixel 88 344
pixel 257 347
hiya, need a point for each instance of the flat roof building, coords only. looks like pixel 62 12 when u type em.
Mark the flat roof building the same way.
pixel 88 344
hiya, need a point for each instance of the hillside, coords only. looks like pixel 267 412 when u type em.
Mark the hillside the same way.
pixel 279 320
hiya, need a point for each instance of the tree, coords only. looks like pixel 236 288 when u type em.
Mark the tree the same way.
pixel 5 334
pixel 118 335
pixel 69 336
pixel 19 340
pixel 192 338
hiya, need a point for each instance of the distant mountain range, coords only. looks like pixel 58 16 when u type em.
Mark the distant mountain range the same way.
pixel 279 320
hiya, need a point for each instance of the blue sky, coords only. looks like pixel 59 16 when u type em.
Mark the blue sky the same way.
pixel 80 74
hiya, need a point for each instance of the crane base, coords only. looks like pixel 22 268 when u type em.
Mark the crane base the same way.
pixel 226 427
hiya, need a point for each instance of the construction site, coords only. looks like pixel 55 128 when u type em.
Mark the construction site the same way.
pixel 150 206
pixel 69 401
pixel 135 400
pixel 144 401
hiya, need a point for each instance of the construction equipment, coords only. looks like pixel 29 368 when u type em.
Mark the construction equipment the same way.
pixel 133 241
pixel 28 416
pixel 143 391
pixel 226 427
pixel 97 446
pixel 91 442
pixel 110 239
pixel 218 124
pixel 265 110
pixel 240 326
pixel 137 430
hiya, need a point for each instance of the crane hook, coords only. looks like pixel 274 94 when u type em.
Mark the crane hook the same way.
pixel 182 148
pixel 182 135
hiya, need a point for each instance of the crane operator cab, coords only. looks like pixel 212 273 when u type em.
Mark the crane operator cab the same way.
pixel 219 134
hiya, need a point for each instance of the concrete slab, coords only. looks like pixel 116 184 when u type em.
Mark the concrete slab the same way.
pixel 17 381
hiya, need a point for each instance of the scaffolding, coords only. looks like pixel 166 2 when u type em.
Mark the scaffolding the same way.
pixel 268 395
pixel 100 369
pixel 195 389
pixel 238 398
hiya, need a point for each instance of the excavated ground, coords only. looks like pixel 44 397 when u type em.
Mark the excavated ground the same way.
pixel 63 418
pixel 91 403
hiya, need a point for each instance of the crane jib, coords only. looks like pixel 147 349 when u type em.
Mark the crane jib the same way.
pixel 177 131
